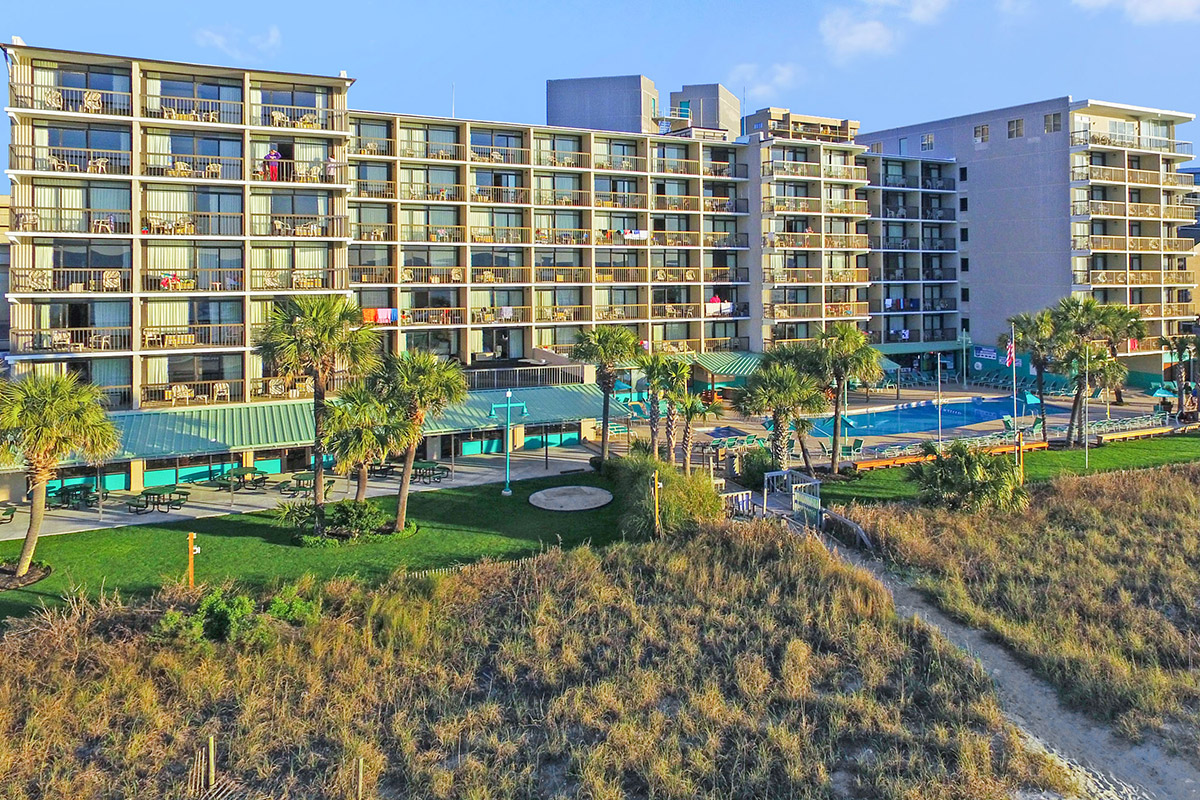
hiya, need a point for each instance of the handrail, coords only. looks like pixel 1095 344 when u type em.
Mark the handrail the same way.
pixel 70 98
pixel 70 160
pixel 174 165
pixel 71 220
pixel 69 340
pixel 275 115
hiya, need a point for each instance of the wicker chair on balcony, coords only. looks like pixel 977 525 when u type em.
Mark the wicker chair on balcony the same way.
pixel 53 99
pixel 281 228
pixel 110 280
pixel 181 169
pixel 92 103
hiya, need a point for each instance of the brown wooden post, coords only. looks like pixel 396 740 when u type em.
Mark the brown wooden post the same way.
pixel 191 559
pixel 358 793
pixel 212 762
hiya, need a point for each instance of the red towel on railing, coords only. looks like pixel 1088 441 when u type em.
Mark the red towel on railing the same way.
pixel 368 315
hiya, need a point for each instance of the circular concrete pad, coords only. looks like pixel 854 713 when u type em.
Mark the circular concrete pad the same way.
pixel 571 498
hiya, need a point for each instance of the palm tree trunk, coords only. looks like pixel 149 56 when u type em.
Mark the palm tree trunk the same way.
pixel 37 513
pixel 604 425
pixel 319 452
pixel 1179 384
pixel 837 428
pixel 779 421
pixel 672 424
pixel 410 455
pixel 361 494
pixel 808 465
pixel 1118 396
pixel 1076 423
pixel 655 415
pixel 687 447
pixel 1041 387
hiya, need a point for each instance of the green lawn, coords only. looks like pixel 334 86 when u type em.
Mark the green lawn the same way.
pixel 457 525
pixel 883 485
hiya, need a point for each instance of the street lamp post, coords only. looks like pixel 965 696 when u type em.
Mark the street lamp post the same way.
pixel 1087 388
pixel 937 357
pixel 964 340
pixel 508 405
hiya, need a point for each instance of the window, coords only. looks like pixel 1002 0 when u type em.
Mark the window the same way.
pixel 962 204
pixel 965 264
pixel 965 294
pixel 877 147
pixel 981 134
pixel 966 325
pixel 962 173
pixel 964 235
pixel 1053 122
pixel 926 142
pixel 902 146
pixel 1016 128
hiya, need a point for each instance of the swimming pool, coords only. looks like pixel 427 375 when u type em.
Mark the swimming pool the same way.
pixel 924 418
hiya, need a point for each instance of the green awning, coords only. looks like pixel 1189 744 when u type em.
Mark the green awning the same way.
pixel 887 365
pixel 731 363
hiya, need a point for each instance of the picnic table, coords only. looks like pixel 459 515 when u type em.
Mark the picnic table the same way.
pixel 429 471
pixel 243 476
pixel 159 498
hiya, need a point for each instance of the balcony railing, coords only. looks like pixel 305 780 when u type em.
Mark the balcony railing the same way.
pixel 175 337
pixel 489 234
pixel 620 274
pixel 848 207
pixel 675 346
pixel 440 151
pixel 1085 242
pixel 893 243
pixel 433 233
pixel 725 169
pixel 941 304
pixel 727 275
pixel 844 172
pixel 937 182
pixel 500 315
pixel 792 240
pixel 846 309
pixel 69 160
pixel 621 200
pixel 327 226
pixel 372 231
pixel 725 310
pixel 560 158
pixel 561 197
pixel 563 314
pixel 1111 277
pixel 195 280
pixel 666 202
pixel 499 155
pixel 1090 172
pixel 69 340
pixel 1131 141
pixel 791 169
pixel 433 275
pixel 1144 177
pixel 896 305
pixel 896 212
pixel 938 213
pixel 574 236
pixel 726 205
pixel 809 275
pixel 297 279
pixel 562 274
pixel 70 98
pixel 675 238
pixel 727 343
pixel 846 241
pixel 1178 277
pixel 437 192
pixel 71 220
pixel 1178 310
pixel 432 316
pixel 193 223
pixel 940 274
pixel 609 313
pixel 500 275
pixel 771 344
pixel 1151 244
pixel 499 194
pixel 1178 179
pixel 285 170
pixel 793 310
pixel 173 165
pixel 188 393
pixel 370 187
pixel 373 275
pixel 371 146
pixel 619 238
pixel 940 334
pixel 896 274
pixel 724 240
pixel 896 181
pixel 675 166
pixel 896 336
pixel 792 205
pixel 303 117
pixel 74 281
pixel 192 109
pixel 1147 309
pixel 1099 208
pixel 848 275
pixel 1178 245
pixel 619 163
pixel 674 274
pixel 940 244
pixel 1184 213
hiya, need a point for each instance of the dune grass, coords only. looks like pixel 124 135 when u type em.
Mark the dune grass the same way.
pixel 1095 585
pixel 456 525
pixel 746 662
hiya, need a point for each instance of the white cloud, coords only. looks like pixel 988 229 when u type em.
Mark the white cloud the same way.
pixel 1146 12
pixel 238 46
pixel 764 81
pixel 848 37
pixel 924 12
pixel 1013 8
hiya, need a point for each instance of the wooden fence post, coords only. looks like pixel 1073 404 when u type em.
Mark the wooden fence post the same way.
pixel 212 762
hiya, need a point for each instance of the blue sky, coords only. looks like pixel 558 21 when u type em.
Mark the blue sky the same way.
pixel 884 62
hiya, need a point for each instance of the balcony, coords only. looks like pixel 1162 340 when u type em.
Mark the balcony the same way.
pixel 665 202
pixel 938 183
pixel 369 187
pixel 305 226
pixel 192 109
pixel 186 393
pixel 786 342
pixel 500 275
pixel 793 310
pixel 893 243
pixel 71 220
pixel 1098 208
pixel 499 194
pixel 896 181
pixel 417 317
pixel 561 197
pixel 725 169
pixel 621 200
pixel 939 244
pixel 722 240
pixel 518 377
pixel 69 160
pixel 675 346
pixel 940 334
pixel 726 205
pixel 1148 310
pixel 936 213
pixel 373 275
pixel 846 207
pixel 70 98
pixel 895 336
pixel 285 170
pixel 178 337
pixel 792 205
pixel 807 276
pixel 674 274
pixel 436 192
pixel 791 169
pixel 846 241
pixel 370 146
pixel 1178 278
pixel 500 315
pixel 172 165
pixel 563 314
pixel 808 241
pixel 571 159
pixel 675 166
pixel 941 304
pixel 302 117
pixel 490 234
pixel 1150 244
pixel 846 310
pixel 297 279
pixel 433 275
pixel 611 313
pixel 620 274
pixel 1089 172
pixel 727 275
pixel 1098 243
pixel 499 155
pixel 372 231
pixel 562 274
pixel 896 212
pixel 727 344
pixel 849 275
pixel 675 311
pixel 618 238
pixel 1130 141
pixel 1178 310
pixel 69 340
pixel 72 281
pixel 619 163
pixel 725 310
pixel 1184 213
pixel 897 274
pixel 1112 277
pixel 675 239
pixel 437 151
pixel 193 280
pixel 1178 179
pixel 193 223
pixel 896 305
pixel 568 236
pixel 844 172
pixel 940 274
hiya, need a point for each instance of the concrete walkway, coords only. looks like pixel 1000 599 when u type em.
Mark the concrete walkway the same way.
pixel 208 502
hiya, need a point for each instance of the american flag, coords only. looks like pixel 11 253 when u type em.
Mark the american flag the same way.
pixel 1010 354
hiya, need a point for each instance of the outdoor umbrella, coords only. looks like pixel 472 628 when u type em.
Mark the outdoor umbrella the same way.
pixel 1161 392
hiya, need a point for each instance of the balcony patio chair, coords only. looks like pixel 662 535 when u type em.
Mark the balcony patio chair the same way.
pixel 280 119
pixel 53 99
pixel 98 166
pixel 61 340
pixel 276 387
pixel 281 228
pixel 307 121
pixel 62 165
pixel 212 171
pixel 92 103
pixel 180 392
pixel 100 341
pixel 221 392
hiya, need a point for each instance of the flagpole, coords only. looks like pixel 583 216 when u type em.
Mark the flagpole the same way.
pixel 1012 357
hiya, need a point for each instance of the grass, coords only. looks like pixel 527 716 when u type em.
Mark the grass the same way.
pixel 745 662
pixel 886 485
pixel 1095 585
pixel 457 525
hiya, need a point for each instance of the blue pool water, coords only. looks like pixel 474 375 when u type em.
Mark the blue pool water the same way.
pixel 921 419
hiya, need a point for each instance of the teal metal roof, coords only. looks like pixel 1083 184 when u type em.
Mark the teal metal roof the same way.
pixel 737 364
pixel 545 404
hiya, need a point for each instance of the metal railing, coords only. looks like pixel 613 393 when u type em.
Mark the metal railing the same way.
pixel 561 197
pixel 723 240
pixel 902 274
pixel 284 170
pixel 372 231
pixel 610 313
pixel 370 146
pixel 173 165
pixel 192 109
pixel 792 205
pixel 172 337
pixel 562 274
pixel 1091 172
pixel 938 213
pixel 371 187
pixel 69 340
pixel 328 226
pixel 845 172
pixel 1131 141
pixel 726 205
pixel 618 238
pixel 675 166
pixel 73 281
pixel 848 207
pixel 941 304
pixel 932 182
pixel 674 274
pixel 433 275
pixel 525 377
pixel 433 233
pixel 620 274
pixel 561 236
pixel 499 194
pixel 940 334
pixel 846 241
pixel 500 275
pixel 1178 310
pixel 675 346
pixel 725 169
pixel 297 279
pixel 726 310
pixel 896 181
pixel 807 275
pixel 488 234
pixel 846 309
pixel 675 238
pixel 793 310
pixel 438 192
pixel 727 343
pixel 668 202
pixel 499 155
pixel 563 314
pixel 373 275
pixel 941 243
pixel 727 275
pixel 621 200
pixel 191 280
pixel 71 220
pixel 432 316
pixel 848 275
pixel 1102 208
pixel 619 163
pixel 441 151
pixel 896 336
pixel 187 393
pixel 71 98
pixel 560 158
pixel 69 160
pixel 500 315
pixel 303 117
pixel 791 169
pixel 192 223
pixel 940 274
pixel 792 240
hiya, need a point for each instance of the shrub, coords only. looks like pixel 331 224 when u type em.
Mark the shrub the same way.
pixel 294 514
pixel 356 518
pixel 755 464
pixel 596 463
pixel 970 479
pixel 684 500
pixel 289 606
pixel 217 618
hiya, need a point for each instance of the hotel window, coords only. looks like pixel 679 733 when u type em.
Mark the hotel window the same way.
pixel 964 264
pixel 966 324
pixel 877 147
pixel 964 235
pixel 962 174
pixel 981 134
pixel 965 294
pixel 1016 128
pixel 902 146
pixel 962 204
pixel 1053 122
pixel 926 142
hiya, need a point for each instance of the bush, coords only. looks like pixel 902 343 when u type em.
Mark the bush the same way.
pixel 294 514
pixel 755 464
pixel 311 540
pixel 217 618
pixel 596 463
pixel 289 606
pixel 684 501
pixel 356 518
pixel 969 479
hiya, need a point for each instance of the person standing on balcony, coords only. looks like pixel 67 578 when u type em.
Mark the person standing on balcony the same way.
pixel 271 164
pixel 331 169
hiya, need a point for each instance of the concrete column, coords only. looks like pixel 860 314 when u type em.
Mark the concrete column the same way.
pixel 137 475
pixel 517 438
pixel 247 458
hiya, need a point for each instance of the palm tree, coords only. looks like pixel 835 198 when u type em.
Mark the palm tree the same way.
pixel 44 419
pixel 1036 334
pixel 417 385
pixel 1121 323
pixel 676 376
pixel 842 352
pixel 319 336
pixel 1181 348
pixel 654 367
pixel 1094 367
pixel 361 431
pixel 1079 323
pixel 961 477
pixel 693 409
pixel 605 346
pixel 784 393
